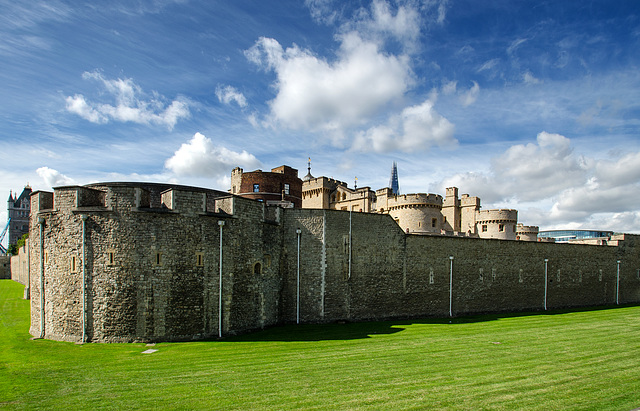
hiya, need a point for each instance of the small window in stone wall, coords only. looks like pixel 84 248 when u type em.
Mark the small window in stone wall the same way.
pixel 199 259
pixel 256 188
pixel 257 268
pixel 484 228
pixel 267 260
pixel 157 259
pixel 434 221
pixel 73 264
pixel 286 189
pixel 501 227
pixel 111 257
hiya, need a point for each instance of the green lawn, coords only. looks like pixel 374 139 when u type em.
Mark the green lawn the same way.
pixel 568 360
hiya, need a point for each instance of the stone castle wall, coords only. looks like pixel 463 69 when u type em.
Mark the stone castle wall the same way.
pixel 396 275
pixel 153 273
pixel 20 265
pixel 5 267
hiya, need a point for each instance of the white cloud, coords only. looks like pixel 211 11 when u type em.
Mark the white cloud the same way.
pixel 488 65
pixel 514 45
pixel 381 21
pixel 530 79
pixel 531 171
pixel 416 128
pixel 78 105
pixel 201 158
pixel 322 11
pixel 229 94
pixel 315 94
pixel 53 178
pixel 624 171
pixel 449 87
pixel 470 96
pixel 582 192
pixel 130 104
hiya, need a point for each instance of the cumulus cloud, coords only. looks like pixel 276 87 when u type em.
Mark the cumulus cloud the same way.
pixel 201 158
pixel 381 22
pixel 582 192
pixel 316 94
pixel 532 170
pixel 131 104
pixel 416 128
pixel 53 178
pixel 229 94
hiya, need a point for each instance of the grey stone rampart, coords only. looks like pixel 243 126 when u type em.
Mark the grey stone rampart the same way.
pixel 153 273
pixel 5 267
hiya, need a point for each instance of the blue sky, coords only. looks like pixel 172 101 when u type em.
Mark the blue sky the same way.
pixel 531 105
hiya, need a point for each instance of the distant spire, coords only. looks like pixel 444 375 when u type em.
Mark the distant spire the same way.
pixel 308 176
pixel 393 181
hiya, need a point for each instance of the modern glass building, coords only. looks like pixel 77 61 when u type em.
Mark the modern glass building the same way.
pixel 563 236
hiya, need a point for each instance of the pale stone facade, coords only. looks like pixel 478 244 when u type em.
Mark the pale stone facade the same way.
pixel 526 233
pixel 419 213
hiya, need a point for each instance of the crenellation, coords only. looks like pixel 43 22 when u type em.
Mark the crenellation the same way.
pixel 155 276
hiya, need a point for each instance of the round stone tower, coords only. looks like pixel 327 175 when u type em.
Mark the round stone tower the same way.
pixel 499 224
pixel 527 233
pixel 417 213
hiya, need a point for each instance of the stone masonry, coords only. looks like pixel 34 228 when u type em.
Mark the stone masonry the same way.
pixel 119 262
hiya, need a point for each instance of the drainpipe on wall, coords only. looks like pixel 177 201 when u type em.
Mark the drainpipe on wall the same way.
pixel 220 223
pixel 41 222
pixel 350 235
pixel 451 286
pixel 298 232
pixel 546 282
pixel 84 279
pixel 618 285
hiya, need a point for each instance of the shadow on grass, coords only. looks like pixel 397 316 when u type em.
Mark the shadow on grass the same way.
pixel 363 330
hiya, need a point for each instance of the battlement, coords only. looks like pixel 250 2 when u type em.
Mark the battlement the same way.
pixel 527 229
pixel 501 215
pixel 467 201
pixel 415 200
pixel 130 197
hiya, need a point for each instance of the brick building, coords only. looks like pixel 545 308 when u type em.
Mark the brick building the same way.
pixel 281 186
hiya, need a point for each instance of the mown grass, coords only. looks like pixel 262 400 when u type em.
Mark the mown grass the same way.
pixel 562 360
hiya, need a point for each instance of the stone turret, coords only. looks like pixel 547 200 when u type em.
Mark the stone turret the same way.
pixel 499 224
